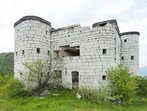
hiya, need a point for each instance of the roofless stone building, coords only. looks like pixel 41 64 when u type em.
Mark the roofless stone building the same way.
pixel 87 52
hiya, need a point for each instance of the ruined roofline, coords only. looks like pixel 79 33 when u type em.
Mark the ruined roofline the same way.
pixel 97 24
pixel 130 32
pixel 103 23
pixel 67 27
pixel 32 18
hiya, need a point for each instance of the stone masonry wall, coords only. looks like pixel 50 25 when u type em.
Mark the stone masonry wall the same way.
pixel 91 64
pixel 86 51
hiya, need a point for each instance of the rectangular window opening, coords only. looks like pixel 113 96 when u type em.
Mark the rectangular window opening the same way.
pixel 22 52
pixel 122 58
pixel 104 77
pixel 48 52
pixel 132 57
pixel 125 40
pixel 46 31
pixel 38 50
pixel 104 51
pixel 16 53
pixel 70 51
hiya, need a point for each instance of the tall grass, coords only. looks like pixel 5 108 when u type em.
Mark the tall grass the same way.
pixel 66 101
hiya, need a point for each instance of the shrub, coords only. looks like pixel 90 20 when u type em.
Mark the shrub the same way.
pixel 10 86
pixel 14 87
pixel 122 84
pixel 95 95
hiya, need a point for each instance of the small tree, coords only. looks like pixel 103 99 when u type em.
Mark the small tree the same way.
pixel 122 84
pixel 42 72
pixel 39 72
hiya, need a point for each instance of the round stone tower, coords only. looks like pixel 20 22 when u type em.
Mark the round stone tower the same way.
pixel 130 51
pixel 107 48
pixel 32 41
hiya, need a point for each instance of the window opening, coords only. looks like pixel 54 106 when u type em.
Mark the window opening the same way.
pixel 104 77
pixel 22 52
pixel 48 52
pixel 38 50
pixel 104 51
pixel 125 40
pixel 132 57
pixel 122 58
pixel 70 51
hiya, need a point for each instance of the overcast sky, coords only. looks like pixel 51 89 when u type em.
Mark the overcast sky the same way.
pixel 131 15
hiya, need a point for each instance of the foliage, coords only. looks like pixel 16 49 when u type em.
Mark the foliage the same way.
pixel 40 73
pixel 142 86
pixel 99 96
pixel 6 63
pixel 10 86
pixel 66 101
pixel 123 86
pixel 4 80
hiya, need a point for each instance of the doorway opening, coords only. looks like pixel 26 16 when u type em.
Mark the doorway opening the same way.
pixel 75 79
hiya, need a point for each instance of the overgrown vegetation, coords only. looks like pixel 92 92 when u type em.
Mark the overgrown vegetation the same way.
pixel 95 95
pixel 40 73
pixel 6 63
pixel 123 86
pixel 65 101
pixel 13 97
pixel 10 86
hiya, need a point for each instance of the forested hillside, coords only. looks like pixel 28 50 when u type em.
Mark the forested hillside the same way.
pixel 6 63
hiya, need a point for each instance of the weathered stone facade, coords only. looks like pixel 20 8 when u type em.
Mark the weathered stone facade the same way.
pixel 88 52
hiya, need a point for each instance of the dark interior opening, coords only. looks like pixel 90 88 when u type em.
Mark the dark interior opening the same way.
pixel 48 52
pixel 75 79
pixel 122 58
pixel 102 24
pixel 38 50
pixel 125 40
pixel 132 57
pixel 104 77
pixel 22 52
pixel 71 51
pixel 104 51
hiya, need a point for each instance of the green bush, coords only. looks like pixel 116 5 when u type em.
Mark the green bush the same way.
pixel 10 86
pixel 123 86
pixel 4 80
pixel 14 87
pixel 99 96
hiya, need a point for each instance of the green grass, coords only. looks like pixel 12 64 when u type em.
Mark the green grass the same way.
pixel 66 101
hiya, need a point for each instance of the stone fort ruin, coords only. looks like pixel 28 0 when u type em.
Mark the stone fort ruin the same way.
pixel 87 52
